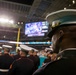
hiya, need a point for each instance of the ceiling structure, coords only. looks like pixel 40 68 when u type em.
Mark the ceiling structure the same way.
pixel 28 11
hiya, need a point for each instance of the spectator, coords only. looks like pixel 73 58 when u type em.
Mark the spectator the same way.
pixel 48 59
pixel 37 59
pixel 33 58
pixel 5 61
pixel 23 65
pixel 63 36
pixel 17 56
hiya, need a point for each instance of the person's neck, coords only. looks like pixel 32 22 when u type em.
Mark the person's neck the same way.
pixel 31 54
pixel 6 53
pixel 67 43
pixel 23 55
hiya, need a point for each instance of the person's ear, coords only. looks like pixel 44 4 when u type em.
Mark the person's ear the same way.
pixel 61 33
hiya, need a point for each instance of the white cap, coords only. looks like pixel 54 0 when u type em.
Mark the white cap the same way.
pixel 25 47
pixel 35 50
pixel 46 49
pixel 6 46
pixel 18 48
pixel 0 47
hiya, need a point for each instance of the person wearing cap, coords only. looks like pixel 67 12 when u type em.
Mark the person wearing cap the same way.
pixel 48 58
pixel 63 37
pixel 23 65
pixel 33 58
pixel 0 51
pixel 5 62
pixel 17 56
pixel 37 59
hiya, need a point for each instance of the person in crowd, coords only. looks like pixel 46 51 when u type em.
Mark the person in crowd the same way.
pixel 48 59
pixel 17 56
pixel 30 53
pixel 5 61
pixel 23 65
pixel 53 56
pixel 63 37
pixel 33 58
pixel 12 54
pixel 0 52
pixel 37 59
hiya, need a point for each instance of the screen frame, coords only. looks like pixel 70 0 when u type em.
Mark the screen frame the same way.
pixel 37 35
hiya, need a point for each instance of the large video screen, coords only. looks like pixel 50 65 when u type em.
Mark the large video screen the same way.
pixel 36 28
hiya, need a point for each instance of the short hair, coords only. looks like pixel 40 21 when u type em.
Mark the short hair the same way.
pixel 7 49
pixel 26 52
pixel 32 50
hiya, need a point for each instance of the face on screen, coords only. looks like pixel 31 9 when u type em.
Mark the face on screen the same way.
pixel 35 29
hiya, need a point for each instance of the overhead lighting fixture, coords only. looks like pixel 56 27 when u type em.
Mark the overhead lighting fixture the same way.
pixel 73 1
pixel 69 4
pixel 65 8
pixel 3 20
pixel 18 22
pixel 4 36
pixel 11 21
pixel 21 22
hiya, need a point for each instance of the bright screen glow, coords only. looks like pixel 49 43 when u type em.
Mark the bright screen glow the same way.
pixel 36 28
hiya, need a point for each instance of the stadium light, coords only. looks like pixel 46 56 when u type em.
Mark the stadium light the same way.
pixel 11 21
pixel 3 20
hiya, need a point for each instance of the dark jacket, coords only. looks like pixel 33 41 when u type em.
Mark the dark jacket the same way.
pixel 5 62
pixel 47 60
pixel 66 65
pixel 31 57
pixel 37 60
pixel 16 56
pixel 22 66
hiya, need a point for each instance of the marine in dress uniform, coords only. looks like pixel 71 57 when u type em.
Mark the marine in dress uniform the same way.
pixel 63 37
pixel 33 58
pixel 0 51
pixel 5 62
pixel 17 56
pixel 48 59
pixel 37 59
pixel 23 65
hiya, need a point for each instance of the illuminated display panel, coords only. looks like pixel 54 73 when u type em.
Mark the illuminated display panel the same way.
pixel 36 28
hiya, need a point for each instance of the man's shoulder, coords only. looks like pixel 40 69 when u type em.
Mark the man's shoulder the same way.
pixel 47 67
pixel 40 71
